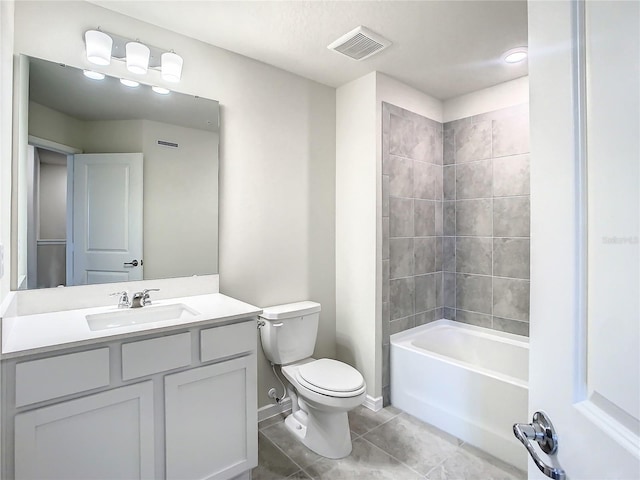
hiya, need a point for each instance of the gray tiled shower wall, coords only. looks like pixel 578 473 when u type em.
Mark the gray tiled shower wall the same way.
pixel 455 222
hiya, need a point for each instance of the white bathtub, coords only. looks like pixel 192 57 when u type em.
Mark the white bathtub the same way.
pixel 468 381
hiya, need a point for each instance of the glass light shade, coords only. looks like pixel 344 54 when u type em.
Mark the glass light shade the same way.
pixel 137 57
pixel 171 67
pixel 160 90
pixel 99 46
pixel 93 75
pixel 129 83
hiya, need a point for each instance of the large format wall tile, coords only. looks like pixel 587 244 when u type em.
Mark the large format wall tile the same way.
pixel 449 254
pixel 473 318
pixel 511 298
pixel 449 182
pixel 473 217
pixel 474 180
pixel 511 135
pixel 401 297
pixel 473 293
pixel 424 180
pixel 401 263
pixel 473 142
pixel 400 177
pixel 449 218
pixel 473 255
pixel 511 176
pixel 424 217
pixel 511 257
pixel 401 217
pixel 511 217
pixel 402 137
pixel 425 292
pixel 424 255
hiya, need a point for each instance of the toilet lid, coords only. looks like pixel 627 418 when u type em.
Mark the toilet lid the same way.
pixel 331 375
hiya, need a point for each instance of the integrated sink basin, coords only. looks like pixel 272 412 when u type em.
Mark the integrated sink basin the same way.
pixel 137 316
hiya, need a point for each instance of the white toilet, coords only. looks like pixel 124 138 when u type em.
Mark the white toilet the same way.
pixel 322 391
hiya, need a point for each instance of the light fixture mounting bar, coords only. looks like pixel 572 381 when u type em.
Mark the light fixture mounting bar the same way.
pixel 118 50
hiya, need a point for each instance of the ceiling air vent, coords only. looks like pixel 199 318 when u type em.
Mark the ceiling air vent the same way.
pixel 360 43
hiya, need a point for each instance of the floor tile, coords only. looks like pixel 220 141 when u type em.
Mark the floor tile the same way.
pixel 295 449
pixel 469 463
pixel 366 462
pixel 362 419
pixel 418 445
pixel 272 463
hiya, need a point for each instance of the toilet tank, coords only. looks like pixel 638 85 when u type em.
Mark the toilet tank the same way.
pixel 290 330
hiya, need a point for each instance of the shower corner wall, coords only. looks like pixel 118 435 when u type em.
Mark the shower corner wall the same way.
pixel 455 222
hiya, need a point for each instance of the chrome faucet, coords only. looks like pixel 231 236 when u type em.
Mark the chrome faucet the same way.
pixel 123 301
pixel 142 299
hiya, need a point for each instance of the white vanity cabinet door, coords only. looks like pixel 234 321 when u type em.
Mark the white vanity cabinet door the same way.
pixel 109 435
pixel 211 421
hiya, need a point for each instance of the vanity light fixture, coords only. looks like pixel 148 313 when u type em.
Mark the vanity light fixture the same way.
pixel 93 75
pixel 99 46
pixel 161 90
pixel 129 83
pixel 171 67
pixel 515 55
pixel 139 58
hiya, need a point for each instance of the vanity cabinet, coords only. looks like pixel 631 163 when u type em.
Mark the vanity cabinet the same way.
pixel 176 405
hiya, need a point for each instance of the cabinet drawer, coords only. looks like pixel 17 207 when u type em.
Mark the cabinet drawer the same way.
pixel 147 357
pixel 228 340
pixel 53 377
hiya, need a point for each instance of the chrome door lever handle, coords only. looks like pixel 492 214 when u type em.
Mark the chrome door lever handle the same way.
pixel 541 430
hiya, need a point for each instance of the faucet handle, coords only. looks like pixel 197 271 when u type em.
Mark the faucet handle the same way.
pixel 146 298
pixel 123 301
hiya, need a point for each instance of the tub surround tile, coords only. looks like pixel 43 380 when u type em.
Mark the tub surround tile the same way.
pixel 474 180
pixel 511 298
pixel 401 257
pixel 511 176
pixel 401 297
pixel 473 293
pixel 511 257
pixel 439 219
pixel 473 318
pixel 385 281
pixel 511 326
pixel 449 254
pixel 449 313
pixel 439 290
pixel 424 255
pixel 425 292
pixel 424 180
pixel 402 137
pixel 427 317
pixel 401 217
pixel 400 177
pixel 385 195
pixel 439 254
pixel 449 218
pixel 511 217
pixel 510 135
pixel 386 364
pixel 473 142
pixel 473 218
pixel 386 323
pixel 473 255
pixel 416 444
pixel 385 238
pixel 449 182
pixel 424 218
pixel 401 324
pixel 449 294
pixel 449 152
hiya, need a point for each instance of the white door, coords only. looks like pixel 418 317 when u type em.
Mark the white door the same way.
pixel 107 436
pixel 585 176
pixel 107 218
pixel 211 421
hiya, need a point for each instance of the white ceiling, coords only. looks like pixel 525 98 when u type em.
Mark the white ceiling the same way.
pixel 444 48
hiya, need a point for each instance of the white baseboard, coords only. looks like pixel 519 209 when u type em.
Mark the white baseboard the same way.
pixel 274 409
pixel 373 403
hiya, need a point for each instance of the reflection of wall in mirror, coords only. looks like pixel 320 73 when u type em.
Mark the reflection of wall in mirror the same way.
pixel 180 184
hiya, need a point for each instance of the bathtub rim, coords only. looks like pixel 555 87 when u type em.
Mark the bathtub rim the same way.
pixel 403 340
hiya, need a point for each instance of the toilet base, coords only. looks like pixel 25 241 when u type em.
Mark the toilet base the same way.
pixel 326 433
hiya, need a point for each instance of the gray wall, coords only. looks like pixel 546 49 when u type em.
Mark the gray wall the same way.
pixel 486 220
pixel 411 223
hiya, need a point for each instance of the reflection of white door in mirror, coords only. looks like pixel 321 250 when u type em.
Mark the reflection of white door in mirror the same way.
pixel 107 218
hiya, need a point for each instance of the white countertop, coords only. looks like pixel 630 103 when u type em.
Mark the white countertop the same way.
pixel 29 334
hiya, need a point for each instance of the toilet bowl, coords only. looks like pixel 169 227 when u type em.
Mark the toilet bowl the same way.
pixel 322 390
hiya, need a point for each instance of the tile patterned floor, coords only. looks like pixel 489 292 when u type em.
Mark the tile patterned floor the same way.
pixel 387 445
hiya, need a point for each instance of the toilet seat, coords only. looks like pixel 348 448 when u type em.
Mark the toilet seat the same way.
pixel 330 377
